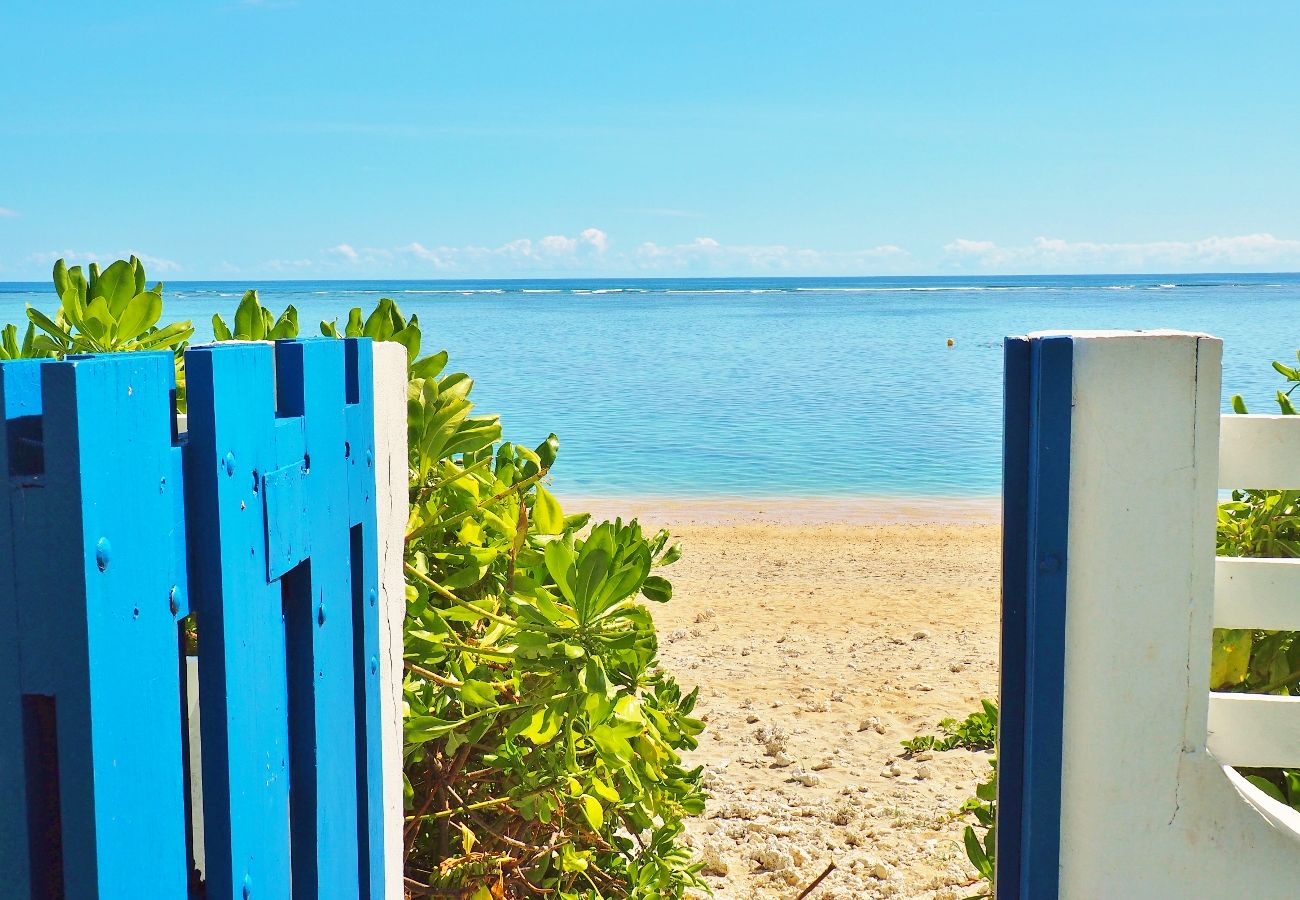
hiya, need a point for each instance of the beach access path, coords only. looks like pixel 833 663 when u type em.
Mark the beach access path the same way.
pixel 823 633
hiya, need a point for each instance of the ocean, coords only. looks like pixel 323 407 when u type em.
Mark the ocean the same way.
pixel 769 387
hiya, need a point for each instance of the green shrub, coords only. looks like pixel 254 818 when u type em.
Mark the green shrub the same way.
pixel 978 731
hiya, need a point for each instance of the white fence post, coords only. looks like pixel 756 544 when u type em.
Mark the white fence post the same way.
pixel 391 486
pixel 1106 717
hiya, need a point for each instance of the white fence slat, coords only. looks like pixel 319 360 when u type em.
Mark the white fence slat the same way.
pixel 1259 452
pixel 1254 730
pixel 1257 593
pixel 391 481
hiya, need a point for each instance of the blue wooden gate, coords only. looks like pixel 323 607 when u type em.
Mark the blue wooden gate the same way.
pixel 260 520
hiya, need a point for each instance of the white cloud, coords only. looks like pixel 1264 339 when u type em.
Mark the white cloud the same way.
pixel 1248 251
pixel 152 264
pixel 419 251
pixel 552 244
pixel 595 238
pixel 591 252
pixel 6 213
pixel 551 254
pixel 706 255
pixel 287 265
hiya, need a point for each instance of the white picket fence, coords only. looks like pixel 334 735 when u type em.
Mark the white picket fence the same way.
pixel 1257 452
pixel 1116 778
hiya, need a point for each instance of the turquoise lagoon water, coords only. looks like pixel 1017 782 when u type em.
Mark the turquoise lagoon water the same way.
pixel 768 387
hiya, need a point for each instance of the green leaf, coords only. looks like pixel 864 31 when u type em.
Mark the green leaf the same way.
pixel 657 589
pixel 628 709
pixel 61 281
pixel 1230 657
pixel 9 339
pixel 77 284
pixel 286 326
pixel 29 340
pixel 379 325
pixel 1267 787
pixel 248 318
pixel 409 337
pixel 547 450
pixel 593 564
pixel 593 812
pixel 543 725
pixel 46 324
pixel 547 513
pixel 478 693
pixel 420 729
pixel 430 366
pixel 137 269
pixel 167 336
pixel 220 330
pixel 975 853
pixel 142 312
pixel 603 790
pixel 354 327
pixel 1287 372
pixel 99 322
pixel 73 305
pixel 671 555
pixel 612 742
pixel 560 563
pixel 116 285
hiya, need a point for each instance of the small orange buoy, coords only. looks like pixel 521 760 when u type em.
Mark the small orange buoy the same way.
pixel 949 342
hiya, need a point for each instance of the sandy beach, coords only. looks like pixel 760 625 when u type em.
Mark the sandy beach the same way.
pixel 823 633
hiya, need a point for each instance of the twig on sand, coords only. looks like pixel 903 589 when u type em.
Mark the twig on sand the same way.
pixel 830 867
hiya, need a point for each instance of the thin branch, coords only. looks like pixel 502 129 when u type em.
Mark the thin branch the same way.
pixel 447 523
pixel 830 867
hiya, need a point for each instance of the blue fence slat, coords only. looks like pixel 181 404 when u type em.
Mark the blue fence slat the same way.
pixel 243 694
pixel 20 400
pixel 1015 546
pixel 359 453
pixel 311 377
pixel 96 550
pixel 1036 495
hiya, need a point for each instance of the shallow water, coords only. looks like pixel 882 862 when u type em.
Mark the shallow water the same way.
pixel 768 387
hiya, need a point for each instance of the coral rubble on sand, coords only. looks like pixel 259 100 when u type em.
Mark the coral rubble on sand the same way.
pixel 818 649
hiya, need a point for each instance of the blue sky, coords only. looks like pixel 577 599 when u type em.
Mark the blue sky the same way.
pixel 501 139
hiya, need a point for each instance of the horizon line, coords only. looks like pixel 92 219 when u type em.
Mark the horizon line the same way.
pixel 594 278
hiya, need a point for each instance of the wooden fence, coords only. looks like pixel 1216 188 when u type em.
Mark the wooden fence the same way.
pixel 1115 759
pixel 261 519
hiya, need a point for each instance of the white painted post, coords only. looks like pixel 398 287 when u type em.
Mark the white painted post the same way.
pixel 391 486
pixel 1145 809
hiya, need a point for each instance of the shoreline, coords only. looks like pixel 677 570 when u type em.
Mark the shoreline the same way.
pixel 793 510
